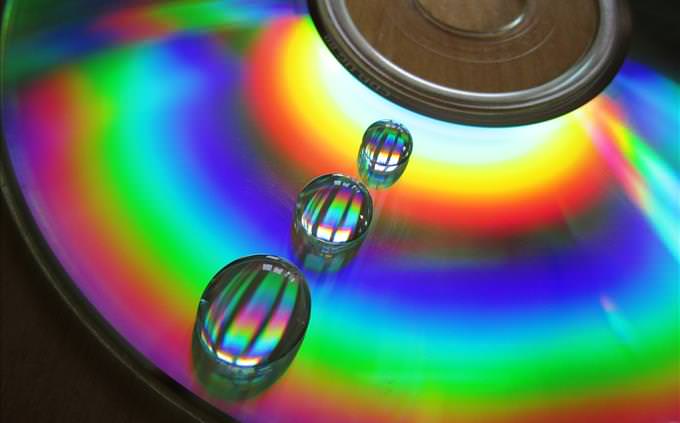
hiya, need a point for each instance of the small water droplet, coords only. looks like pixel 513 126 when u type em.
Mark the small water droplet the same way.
pixel 334 212
pixel 252 317
pixel 384 154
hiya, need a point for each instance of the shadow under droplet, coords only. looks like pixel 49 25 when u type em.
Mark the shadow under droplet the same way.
pixel 229 382
pixel 379 176
pixel 315 258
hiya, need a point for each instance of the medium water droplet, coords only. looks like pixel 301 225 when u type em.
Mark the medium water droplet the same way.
pixel 334 212
pixel 252 317
pixel 384 154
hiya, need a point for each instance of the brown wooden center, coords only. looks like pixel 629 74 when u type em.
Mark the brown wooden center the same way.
pixel 490 46
pixel 475 16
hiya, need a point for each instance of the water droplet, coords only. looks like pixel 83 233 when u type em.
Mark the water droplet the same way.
pixel 252 317
pixel 384 154
pixel 333 212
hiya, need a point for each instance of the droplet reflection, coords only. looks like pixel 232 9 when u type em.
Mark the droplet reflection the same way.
pixel 333 213
pixel 384 154
pixel 251 320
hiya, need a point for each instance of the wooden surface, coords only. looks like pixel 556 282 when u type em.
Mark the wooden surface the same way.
pixel 474 49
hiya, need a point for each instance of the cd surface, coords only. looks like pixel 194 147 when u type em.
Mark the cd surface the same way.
pixel 523 274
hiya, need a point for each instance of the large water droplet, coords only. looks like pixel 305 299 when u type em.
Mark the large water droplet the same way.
pixel 384 154
pixel 252 318
pixel 334 212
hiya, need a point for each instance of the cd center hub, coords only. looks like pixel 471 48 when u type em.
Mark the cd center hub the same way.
pixel 480 62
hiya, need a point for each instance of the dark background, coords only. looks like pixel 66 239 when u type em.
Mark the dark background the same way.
pixel 53 369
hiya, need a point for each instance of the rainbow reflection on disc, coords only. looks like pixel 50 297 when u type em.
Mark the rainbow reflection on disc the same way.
pixel 512 274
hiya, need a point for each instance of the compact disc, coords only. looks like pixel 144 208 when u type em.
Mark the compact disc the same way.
pixel 511 274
